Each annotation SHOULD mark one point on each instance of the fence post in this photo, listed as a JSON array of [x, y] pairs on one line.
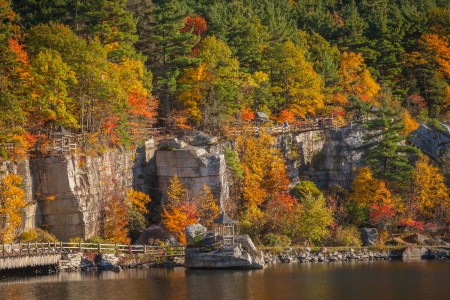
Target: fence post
[[28, 248], [99, 248], [35, 247], [79, 246], [117, 248], [3, 247], [145, 249], [129, 249], [61, 247]]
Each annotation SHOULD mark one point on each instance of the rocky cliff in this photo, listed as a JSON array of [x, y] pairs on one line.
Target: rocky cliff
[[194, 166], [326, 157]]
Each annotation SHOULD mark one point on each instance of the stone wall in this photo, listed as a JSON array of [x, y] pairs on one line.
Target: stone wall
[[194, 166]]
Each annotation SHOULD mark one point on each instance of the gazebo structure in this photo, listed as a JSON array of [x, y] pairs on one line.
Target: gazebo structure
[[63, 141], [225, 229]]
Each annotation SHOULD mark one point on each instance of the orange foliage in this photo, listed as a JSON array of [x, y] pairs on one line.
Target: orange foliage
[[12, 201], [178, 211], [247, 114], [357, 78], [116, 222], [142, 105], [409, 123], [439, 48], [197, 25], [286, 115]]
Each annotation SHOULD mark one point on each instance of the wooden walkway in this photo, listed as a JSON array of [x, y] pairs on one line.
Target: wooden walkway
[[46, 254]]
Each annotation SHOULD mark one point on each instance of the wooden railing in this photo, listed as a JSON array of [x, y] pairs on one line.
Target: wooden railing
[[28, 249]]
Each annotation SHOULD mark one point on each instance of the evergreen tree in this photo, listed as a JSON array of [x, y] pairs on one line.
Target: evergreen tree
[[384, 148], [166, 47]]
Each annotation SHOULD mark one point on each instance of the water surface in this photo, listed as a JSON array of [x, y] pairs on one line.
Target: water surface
[[339, 280]]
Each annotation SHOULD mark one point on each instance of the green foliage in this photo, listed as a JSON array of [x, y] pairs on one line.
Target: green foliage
[[315, 220], [276, 240], [348, 236], [231, 159], [304, 188]]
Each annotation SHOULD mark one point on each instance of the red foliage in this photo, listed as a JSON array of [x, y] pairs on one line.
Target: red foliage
[[419, 225], [141, 105], [247, 114], [381, 213], [286, 115], [282, 203], [416, 102], [195, 24]]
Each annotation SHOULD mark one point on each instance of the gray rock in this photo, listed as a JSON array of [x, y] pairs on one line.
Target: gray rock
[[414, 253], [247, 244], [369, 236], [430, 140], [154, 235], [195, 234]]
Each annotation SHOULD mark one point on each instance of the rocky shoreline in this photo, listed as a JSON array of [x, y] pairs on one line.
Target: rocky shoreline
[[323, 255]]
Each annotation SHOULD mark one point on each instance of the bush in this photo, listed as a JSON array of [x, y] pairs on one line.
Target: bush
[[97, 240], [37, 235], [276, 240], [346, 236]]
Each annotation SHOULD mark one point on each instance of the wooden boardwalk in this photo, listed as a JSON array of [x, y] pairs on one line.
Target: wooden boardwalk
[[21, 255]]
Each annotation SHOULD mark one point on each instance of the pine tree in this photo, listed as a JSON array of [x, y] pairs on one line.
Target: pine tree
[[167, 47], [384, 148]]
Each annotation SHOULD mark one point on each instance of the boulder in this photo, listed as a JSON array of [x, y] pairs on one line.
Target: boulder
[[369, 236], [414, 253], [200, 139], [247, 244], [430, 140], [417, 238], [154, 235], [107, 262], [195, 234]]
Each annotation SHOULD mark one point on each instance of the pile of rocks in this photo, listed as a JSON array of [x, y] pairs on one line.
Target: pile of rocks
[[70, 262], [323, 255]]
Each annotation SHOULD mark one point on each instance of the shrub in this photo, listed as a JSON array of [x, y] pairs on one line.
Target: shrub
[[37, 235], [346, 236], [276, 240]]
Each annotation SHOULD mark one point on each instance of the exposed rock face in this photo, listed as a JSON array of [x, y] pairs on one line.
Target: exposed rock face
[[194, 166], [80, 184], [326, 157], [32, 213], [431, 141], [369, 236]]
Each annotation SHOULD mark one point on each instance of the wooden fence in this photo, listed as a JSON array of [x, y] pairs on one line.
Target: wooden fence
[[29, 249]]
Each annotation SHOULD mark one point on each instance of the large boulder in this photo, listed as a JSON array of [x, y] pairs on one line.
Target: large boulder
[[195, 234], [154, 236], [369, 236], [228, 257], [430, 140], [415, 253]]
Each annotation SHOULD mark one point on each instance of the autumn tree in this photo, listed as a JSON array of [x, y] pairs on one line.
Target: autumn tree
[[207, 207], [12, 202], [431, 195], [370, 198], [315, 220], [115, 227], [295, 84], [281, 216], [178, 210], [136, 205]]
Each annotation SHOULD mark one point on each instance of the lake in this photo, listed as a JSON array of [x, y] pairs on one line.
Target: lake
[[338, 280]]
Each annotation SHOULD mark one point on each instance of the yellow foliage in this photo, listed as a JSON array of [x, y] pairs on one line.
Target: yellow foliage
[[138, 200], [12, 201], [207, 207], [357, 78], [409, 123], [367, 190], [176, 193], [430, 190]]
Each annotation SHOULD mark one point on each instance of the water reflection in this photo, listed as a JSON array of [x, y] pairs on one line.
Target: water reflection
[[340, 280]]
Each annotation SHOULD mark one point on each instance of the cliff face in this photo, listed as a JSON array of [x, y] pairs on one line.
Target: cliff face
[[325, 157], [194, 166], [79, 185]]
